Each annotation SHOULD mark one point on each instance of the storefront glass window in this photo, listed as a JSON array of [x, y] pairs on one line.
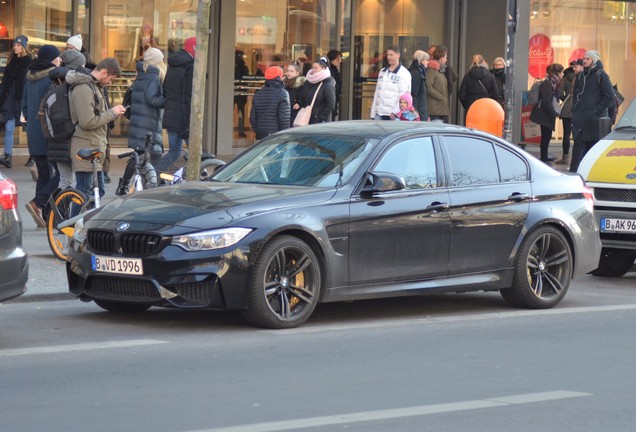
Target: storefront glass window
[[46, 22]]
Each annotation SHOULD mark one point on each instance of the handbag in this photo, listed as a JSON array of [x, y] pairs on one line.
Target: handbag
[[126, 102], [304, 114], [556, 105]]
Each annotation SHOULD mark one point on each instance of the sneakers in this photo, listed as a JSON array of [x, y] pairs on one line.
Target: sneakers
[[6, 161], [36, 213]]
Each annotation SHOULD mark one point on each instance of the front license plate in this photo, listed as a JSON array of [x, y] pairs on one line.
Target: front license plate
[[618, 225], [131, 266]]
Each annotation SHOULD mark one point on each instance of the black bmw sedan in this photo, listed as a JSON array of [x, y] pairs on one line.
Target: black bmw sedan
[[14, 264], [342, 211]]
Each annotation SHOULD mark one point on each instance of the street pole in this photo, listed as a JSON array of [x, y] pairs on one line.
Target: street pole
[[511, 30]]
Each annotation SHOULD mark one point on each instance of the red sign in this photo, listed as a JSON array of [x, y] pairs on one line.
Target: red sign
[[540, 55], [577, 54]]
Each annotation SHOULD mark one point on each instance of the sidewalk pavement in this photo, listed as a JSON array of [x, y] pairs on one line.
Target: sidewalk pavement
[[47, 275]]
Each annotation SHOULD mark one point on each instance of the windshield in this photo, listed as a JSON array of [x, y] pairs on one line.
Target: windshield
[[628, 120], [290, 159]]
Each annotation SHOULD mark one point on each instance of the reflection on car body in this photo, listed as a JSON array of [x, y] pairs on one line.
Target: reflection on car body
[[14, 265]]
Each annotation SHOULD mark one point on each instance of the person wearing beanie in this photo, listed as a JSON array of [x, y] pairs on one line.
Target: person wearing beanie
[[13, 80], [74, 43], [270, 105], [36, 85], [73, 59], [407, 110], [592, 98], [321, 84], [177, 89]]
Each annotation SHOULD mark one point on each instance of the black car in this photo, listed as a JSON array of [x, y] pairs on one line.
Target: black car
[[14, 265], [343, 211]]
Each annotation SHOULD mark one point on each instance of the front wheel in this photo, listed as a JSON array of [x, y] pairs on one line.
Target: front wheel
[[68, 203], [543, 271], [118, 307], [284, 285], [615, 262]]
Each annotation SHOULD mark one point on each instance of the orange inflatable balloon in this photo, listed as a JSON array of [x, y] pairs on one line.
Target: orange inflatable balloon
[[486, 115]]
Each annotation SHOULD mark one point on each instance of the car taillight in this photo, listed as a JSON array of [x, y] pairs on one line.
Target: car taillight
[[8, 195]]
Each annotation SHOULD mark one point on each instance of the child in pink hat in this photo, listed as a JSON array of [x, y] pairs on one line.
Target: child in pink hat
[[407, 110]]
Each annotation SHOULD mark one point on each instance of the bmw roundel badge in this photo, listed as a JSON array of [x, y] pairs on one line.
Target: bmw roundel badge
[[123, 226]]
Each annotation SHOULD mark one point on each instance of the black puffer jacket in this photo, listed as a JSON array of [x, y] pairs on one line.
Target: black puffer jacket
[[13, 86], [177, 89], [418, 88], [592, 96], [478, 83], [146, 106], [325, 100], [270, 109]]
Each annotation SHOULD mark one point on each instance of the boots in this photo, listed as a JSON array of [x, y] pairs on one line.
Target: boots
[[122, 187], [6, 161]]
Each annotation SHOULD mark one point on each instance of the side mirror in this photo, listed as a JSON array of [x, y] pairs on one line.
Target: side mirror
[[382, 182]]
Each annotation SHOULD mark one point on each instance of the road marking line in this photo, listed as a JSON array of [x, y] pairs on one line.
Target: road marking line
[[312, 422], [79, 347]]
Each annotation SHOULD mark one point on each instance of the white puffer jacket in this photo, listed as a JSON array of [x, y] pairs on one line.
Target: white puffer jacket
[[390, 86]]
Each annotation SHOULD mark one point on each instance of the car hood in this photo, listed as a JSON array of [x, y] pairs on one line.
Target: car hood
[[203, 205], [611, 160]]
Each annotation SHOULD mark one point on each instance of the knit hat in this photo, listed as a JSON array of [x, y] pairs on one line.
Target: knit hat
[[408, 98], [273, 72], [594, 55], [22, 40], [75, 41], [189, 45], [48, 53], [73, 59], [153, 56]]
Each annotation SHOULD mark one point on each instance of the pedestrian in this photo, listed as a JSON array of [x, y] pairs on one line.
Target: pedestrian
[[325, 99], [407, 110], [441, 55], [437, 103], [499, 72], [90, 113], [11, 90], [75, 43], [270, 106], [240, 70], [544, 113], [418, 82], [146, 106], [335, 58], [293, 81], [177, 89], [478, 83], [592, 97], [393, 81], [36, 85], [567, 86]]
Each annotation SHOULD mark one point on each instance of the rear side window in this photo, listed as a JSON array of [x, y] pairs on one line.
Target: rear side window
[[511, 167], [472, 161]]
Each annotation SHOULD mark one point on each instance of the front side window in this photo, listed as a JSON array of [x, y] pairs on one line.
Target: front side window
[[413, 160]]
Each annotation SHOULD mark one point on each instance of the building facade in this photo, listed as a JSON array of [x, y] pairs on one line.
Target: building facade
[[275, 32]]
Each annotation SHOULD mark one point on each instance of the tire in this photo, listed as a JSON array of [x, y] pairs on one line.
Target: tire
[[615, 263], [119, 307], [284, 285], [58, 241], [543, 270]]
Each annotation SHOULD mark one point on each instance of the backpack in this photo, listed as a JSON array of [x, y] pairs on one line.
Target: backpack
[[55, 112], [612, 110], [534, 94]]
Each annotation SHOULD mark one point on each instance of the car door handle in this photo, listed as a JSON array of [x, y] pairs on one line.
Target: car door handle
[[438, 206], [519, 197]]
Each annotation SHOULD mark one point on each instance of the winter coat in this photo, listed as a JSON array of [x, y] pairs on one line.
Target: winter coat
[[35, 87], [90, 112], [177, 89], [478, 83], [146, 107], [592, 96], [436, 93], [500, 80], [12, 86], [418, 88], [388, 89], [567, 85], [293, 87], [270, 109], [325, 101], [335, 74], [543, 113]]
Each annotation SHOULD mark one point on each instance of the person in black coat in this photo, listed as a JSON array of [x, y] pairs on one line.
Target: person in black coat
[[335, 58], [544, 113], [240, 70], [478, 83], [499, 72], [293, 83], [326, 96], [11, 93], [270, 106], [418, 82]]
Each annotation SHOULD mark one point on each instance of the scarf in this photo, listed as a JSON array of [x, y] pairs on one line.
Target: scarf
[[434, 64], [316, 77]]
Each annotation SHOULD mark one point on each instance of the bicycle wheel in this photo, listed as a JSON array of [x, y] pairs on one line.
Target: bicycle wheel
[[67, 204], [149, 176]]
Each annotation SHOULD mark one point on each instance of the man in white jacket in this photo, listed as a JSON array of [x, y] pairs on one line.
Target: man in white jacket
[[393, 81]]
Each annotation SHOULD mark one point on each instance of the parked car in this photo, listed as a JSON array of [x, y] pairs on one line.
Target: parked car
[[609, 169], [343, 211], [14, 265]]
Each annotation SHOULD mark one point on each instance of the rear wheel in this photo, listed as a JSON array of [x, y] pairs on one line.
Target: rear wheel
[[543, 271], [68, 203], [615, 262], [118, 307]]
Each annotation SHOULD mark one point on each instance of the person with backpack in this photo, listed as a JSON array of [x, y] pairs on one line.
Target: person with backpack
[[36, 85], [91, 115], [593, 95]]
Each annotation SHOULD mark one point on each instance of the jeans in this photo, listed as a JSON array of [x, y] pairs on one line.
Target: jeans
[[85, 183], [67, 176], [175, 143], [48, 180], [9, 129]]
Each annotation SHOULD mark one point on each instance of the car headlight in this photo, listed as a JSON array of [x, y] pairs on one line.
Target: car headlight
[[208, 240], [79, 233]]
